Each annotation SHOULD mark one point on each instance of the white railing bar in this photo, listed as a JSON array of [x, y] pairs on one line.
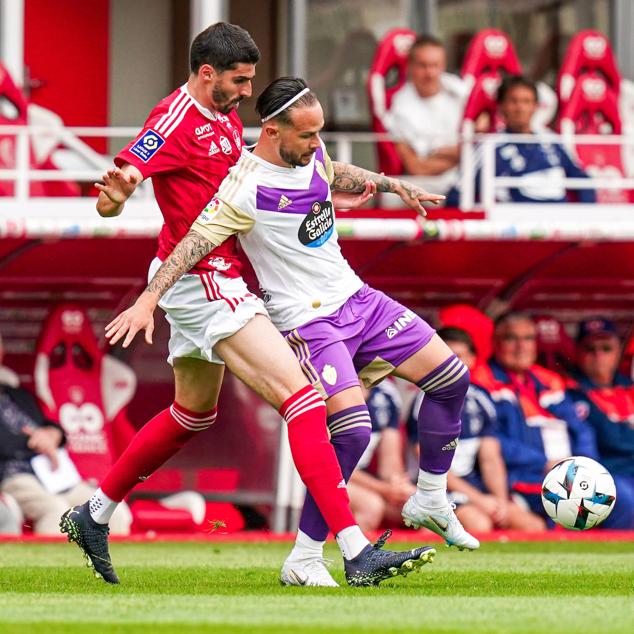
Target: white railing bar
[[606, 182]]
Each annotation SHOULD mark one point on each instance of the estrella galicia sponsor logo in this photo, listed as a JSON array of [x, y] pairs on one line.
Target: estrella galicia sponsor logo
[[318, 224], [148, 145], [402, 322]]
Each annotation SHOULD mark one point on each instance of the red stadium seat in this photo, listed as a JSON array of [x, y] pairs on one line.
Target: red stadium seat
[[589, 52], [11, 94], [87, 392], [388, 73], [593, 109], [490, 51], [555, 347]]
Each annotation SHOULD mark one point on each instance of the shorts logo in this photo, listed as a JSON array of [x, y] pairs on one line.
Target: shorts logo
[[329, 374], [402, 322], [147, 146], [236, 139], [318, 225], [225, 145], [213, 149]]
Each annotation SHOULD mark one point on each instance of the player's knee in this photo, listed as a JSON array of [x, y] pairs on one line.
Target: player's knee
[[452, 386]]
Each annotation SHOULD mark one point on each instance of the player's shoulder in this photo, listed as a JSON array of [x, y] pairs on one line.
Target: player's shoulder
[[240, 184]]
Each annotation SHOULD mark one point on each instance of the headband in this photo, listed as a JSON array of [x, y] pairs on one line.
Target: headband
[[292, 100]]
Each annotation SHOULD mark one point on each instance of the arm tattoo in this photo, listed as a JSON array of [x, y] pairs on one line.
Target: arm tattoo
[[187, 253], [350, 178]]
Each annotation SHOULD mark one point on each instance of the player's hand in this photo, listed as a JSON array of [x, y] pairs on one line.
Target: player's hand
[[349, 200], [400, 489], [117, 185], [501, 514], [45, 441], [414, 196], [129, 322]]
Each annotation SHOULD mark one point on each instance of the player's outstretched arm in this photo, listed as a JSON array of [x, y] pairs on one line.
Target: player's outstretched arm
[[352, 179], [140, 316], [118, 185]]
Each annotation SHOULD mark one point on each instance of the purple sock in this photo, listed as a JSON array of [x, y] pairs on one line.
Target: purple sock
[[439, 416], [350, 429]]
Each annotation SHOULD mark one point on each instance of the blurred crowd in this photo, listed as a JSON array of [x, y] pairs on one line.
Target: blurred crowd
[[519, 419]]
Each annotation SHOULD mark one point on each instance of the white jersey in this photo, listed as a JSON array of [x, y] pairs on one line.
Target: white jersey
[[286, 225]]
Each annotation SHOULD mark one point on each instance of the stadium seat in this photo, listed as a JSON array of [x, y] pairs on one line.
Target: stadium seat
[[490, 57], [17, 111], [87, 392], [593, 109], [555, 347], [388, 73], [589, 52]]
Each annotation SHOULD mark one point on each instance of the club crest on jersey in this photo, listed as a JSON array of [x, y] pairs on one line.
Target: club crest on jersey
[[318, 225], [210, 211], [236, 139], [225, 144], [148, 145]]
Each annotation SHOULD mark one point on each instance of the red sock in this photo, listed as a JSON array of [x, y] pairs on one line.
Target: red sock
[[159, 439], [315, 457]]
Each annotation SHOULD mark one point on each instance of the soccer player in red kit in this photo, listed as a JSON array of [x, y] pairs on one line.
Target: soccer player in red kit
[[189, 142]]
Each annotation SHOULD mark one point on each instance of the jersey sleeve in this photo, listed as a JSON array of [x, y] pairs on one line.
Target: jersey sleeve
[[330, 170], [153, 152], [220, 220]]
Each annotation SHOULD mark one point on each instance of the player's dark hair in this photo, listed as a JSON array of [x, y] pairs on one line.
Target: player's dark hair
[[278, 93], [223, 46], [515, 81], [457, 335], [513, 315], [424, 39]]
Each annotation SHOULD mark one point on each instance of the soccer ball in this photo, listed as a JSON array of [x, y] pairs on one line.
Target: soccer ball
[[578, 493]]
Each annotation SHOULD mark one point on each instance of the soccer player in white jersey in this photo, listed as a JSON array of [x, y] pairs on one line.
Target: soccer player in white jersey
[[189, 142], [278, 201]]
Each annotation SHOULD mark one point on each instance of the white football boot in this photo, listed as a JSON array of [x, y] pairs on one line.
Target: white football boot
[[441, 521], [311, 571]]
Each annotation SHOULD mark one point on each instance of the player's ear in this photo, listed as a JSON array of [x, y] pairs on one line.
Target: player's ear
[[207, 72], [272, 131]]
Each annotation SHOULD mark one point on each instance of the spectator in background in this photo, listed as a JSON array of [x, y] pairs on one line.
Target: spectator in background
[[380, 486], [606, 400], [427, 110], [24, 434], [537, 423], [543, 166], [477, 481]]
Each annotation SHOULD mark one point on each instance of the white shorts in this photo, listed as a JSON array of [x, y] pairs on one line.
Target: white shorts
[[204, 308]]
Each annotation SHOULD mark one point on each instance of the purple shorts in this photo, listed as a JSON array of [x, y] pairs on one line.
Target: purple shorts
[[366, 338]]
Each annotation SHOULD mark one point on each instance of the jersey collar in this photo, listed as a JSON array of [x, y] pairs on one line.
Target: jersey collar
[[210, 114]]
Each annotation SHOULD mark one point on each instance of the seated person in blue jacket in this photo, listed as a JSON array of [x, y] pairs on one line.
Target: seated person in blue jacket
[[477, 481], [537, 421], [605, 399], [542, 166], [379, 486]]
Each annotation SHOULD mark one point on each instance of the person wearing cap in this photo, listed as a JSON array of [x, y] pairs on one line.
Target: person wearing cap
[[605, 399]]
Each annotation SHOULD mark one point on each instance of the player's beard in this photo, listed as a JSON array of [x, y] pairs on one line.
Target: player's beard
[[224, 105], [296, 160]]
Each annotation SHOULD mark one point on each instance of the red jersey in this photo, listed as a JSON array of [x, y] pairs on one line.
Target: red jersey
[[187, 150]]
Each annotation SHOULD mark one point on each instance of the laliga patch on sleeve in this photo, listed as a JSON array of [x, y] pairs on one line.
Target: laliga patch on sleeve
[[148, 145], [210, 211]]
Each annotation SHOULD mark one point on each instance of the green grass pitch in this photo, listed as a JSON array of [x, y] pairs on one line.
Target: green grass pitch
[[511, 588]]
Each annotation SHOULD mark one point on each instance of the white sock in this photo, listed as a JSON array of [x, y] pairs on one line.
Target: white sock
[[431, 489], [351, 541], [101, 507], [306, 548]]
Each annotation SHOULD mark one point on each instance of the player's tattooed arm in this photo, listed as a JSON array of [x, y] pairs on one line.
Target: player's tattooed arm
[[189, 251], [140, 316], [353, 180]]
